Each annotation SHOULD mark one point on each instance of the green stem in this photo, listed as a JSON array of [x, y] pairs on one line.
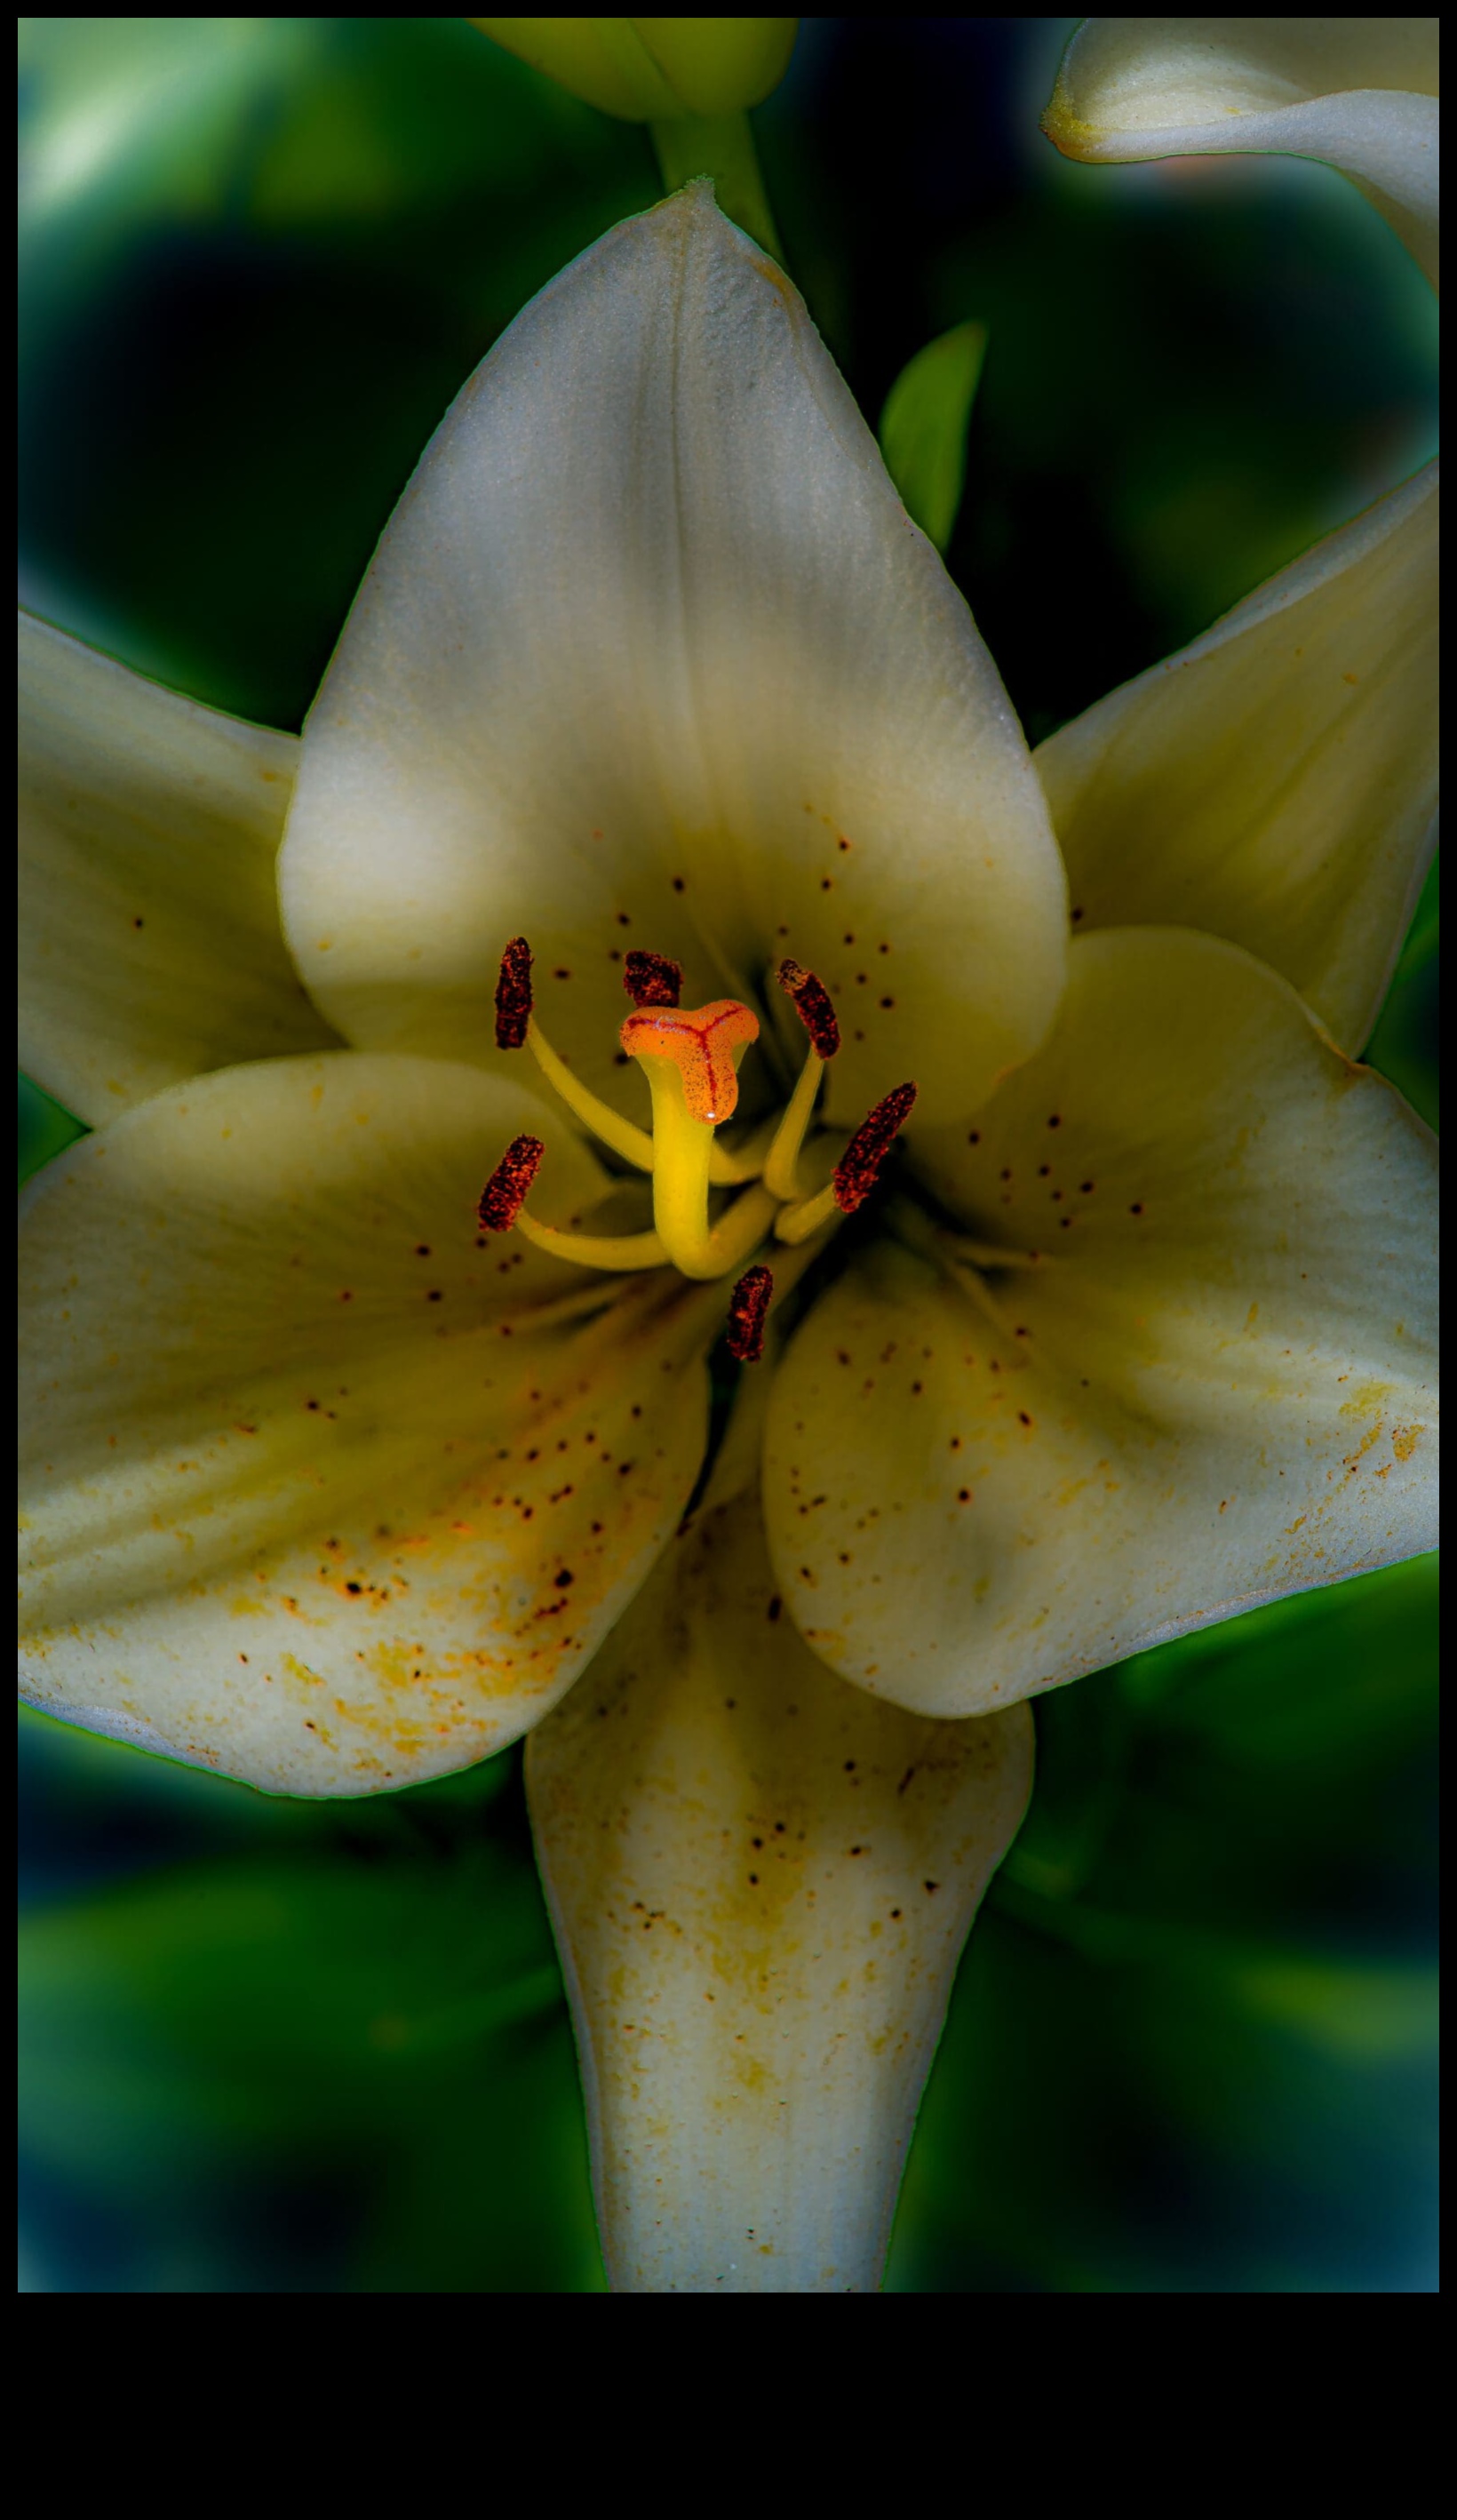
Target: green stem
[[719, 145]]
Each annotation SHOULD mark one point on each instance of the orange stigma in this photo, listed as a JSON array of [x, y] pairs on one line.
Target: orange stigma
[[701, 1042]]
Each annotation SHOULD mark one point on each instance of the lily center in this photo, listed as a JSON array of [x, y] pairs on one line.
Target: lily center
[[691, 1058]]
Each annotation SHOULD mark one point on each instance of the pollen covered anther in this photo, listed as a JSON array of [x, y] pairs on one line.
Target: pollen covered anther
[[651, 980], [747, 1306], [858, 1167], [504, 1194], [513, 994], [812, 1005]]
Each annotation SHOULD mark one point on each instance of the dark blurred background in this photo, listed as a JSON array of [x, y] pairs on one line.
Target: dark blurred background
[[279, 2047]]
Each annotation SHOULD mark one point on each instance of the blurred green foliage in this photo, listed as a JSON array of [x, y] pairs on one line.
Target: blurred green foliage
[[1194, 2042], [301, 2048], [923, 427], [275, 2047]]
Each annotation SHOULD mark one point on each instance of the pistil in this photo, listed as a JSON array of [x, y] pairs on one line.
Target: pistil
[[690, 1061], [690, 1057]]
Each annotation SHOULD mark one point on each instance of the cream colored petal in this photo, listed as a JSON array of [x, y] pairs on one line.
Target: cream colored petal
[[1361, 93], [650, 654], [761, 1883], [150, 946], [1215, 1385], [321, 1489], [1276, 781]]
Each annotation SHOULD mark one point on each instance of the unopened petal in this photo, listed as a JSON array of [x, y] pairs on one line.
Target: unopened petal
[[651, 655], [1208, 1381], [643, 69], [1276, 781], [1361, 93], [761, 1883], [149, 944], [323, 1489]]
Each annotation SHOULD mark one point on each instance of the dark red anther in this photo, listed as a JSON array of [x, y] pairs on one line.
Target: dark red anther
[[855, 1171], [504, 1194], [747, 1306], [513, 994], [812, 1005], [651, 980]]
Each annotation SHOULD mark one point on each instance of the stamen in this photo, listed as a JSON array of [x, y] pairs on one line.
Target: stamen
[[744, 1162], [611, 1251], [855, 1171], [513, 994], [854, 1174], [503, 1205], [504, 1194], [700, 1041], [652, 979], [994, 1255], [941, 1244], [812, 1005], [747, 1306], [633, 1144]]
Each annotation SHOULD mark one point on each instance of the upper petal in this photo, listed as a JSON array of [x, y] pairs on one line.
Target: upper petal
[[322, 1488], [1216, 1384], [149, 944], [1360, 93], [761, 1883], [1276, 781], [650, 652]]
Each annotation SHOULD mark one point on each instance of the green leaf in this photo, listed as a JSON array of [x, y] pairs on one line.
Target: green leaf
[[44, 1128], [923, 427]]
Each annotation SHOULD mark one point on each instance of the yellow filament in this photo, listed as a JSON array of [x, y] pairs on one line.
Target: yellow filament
[[937, 1243], [993, 1255], [634, 1145], [595, 1250], [781, 1170], [796, 1223], [727, 1165], [740, 1230]]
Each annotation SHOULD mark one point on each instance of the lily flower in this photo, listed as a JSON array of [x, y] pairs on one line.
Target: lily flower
[[675, 948], [1360, 93]]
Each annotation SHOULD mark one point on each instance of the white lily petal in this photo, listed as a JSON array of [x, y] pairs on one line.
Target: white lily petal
[[1214, 1384], [1360, 93], [1275, 782], [650, 654], [149, 944], [323, 1489], [761, 1883]]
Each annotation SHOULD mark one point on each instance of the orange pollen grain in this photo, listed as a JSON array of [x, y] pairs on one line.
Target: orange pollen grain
[[701, 1042]]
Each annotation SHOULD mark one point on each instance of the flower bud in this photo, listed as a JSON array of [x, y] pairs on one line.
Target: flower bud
[[654, 70]]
